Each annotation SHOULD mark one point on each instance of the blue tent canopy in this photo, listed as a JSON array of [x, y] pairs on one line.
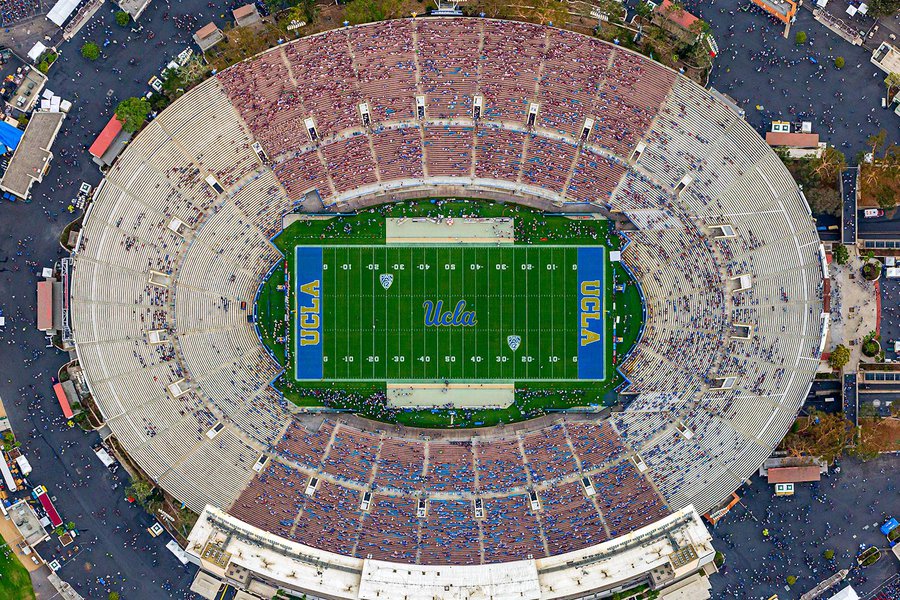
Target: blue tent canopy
[[10, 136]]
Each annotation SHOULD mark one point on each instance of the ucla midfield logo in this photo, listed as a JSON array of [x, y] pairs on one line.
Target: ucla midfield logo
[[436, 316]]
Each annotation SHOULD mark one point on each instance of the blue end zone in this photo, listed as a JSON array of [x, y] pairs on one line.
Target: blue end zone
[[308, 294], [591, 320]]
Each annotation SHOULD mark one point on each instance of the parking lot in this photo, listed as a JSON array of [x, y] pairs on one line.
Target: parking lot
[[840, 513]]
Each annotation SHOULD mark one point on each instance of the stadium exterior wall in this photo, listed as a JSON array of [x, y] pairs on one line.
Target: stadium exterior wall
[[643, 556]]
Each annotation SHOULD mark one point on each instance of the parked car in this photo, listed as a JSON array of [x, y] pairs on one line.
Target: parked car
[[873, 213]]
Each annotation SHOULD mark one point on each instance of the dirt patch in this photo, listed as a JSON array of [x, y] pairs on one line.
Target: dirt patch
[[878, 182], [882, 435]]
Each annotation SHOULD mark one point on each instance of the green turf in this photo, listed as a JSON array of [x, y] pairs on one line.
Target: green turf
[[373, 333], [534, 230], [15, 582]]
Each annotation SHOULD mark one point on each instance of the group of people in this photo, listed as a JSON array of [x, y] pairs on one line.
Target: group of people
[[328, 80], [13, 11], [399, 471]]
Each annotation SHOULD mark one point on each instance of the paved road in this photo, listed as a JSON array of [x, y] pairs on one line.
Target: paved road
[[849, 218], [113, 545], [841, 512]]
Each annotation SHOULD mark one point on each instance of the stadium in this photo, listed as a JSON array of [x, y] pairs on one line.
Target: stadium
[[257, 262]]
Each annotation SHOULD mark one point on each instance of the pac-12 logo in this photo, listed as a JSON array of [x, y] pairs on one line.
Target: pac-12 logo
[[309, 315], [436, 316], [513, 341], [590, 311], [386, 280]]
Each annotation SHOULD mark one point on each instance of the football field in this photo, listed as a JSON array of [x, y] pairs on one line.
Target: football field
[[457, 312]]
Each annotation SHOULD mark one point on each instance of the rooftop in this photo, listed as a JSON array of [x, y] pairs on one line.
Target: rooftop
[[676, 14], [244, 11], [106, 137], [207, 30], [573, 574], [31, 157], [794, 474], [793, 140]]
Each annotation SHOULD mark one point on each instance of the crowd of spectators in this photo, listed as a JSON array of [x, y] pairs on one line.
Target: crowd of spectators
[[328, 77], [13, 11], [450, 475]]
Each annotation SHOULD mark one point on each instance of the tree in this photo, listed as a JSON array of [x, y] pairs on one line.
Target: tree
[[133, 112], [841, 254], [368, 11], [310, 9], [800, 38], [113, 596], [883, 8], [870, 346], [819, 434], [830, 165], [840, 356], [829, 554], [542, 12], [699, 27], [90, 51], [494, 9], [140, 490], [839, 62], [791, 580], [872, 270], [122, 18], [876, 141], [892, 81], [884, 195], [643, 9], [824, 200]]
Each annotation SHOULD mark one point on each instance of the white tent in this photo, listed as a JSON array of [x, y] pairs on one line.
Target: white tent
[[36, 51], [848, 593], [61, 11]]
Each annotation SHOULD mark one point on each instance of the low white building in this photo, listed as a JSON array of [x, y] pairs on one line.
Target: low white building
[[665, 555]]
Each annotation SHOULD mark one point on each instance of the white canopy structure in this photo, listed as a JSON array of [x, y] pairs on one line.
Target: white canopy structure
[[62, 10]]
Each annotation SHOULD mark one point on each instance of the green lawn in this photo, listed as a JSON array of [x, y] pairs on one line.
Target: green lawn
[[15, 583], [448, 352]]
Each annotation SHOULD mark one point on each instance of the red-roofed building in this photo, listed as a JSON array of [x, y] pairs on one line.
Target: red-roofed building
[[676, 20], [797, 144], [794, 474], [63, 401], [45, 305], [110, 143], [208, 36], [783, 10], [246, 15], [106, 137]]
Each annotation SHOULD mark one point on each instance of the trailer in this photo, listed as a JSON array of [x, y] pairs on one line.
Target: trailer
[[40, 494]]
